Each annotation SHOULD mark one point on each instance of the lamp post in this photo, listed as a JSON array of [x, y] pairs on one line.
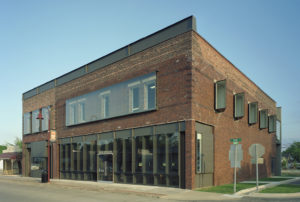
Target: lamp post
[[40, 117]]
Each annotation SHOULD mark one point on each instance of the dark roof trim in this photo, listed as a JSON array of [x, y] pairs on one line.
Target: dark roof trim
[[160, 36]]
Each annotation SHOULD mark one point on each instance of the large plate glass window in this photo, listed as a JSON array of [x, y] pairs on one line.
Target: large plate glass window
[[104, 97], [220, 95], [252, 113], [132, 96], [239, 105]]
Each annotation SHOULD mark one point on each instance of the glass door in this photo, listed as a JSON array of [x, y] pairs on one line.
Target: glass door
[[105, 166]]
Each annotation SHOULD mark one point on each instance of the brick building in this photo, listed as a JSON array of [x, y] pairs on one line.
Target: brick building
[[159, 111]]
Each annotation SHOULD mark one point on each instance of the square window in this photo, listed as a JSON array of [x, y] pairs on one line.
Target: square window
[[272, 124], [252, 115], [220, 95], [239, 105], [263, 119]]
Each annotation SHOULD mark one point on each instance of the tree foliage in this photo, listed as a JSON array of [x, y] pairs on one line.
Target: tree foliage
[[2, 147], [18, 142], [293, 151]]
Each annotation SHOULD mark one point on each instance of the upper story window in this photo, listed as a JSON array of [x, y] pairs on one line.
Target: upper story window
[[278, 130], [239, 105], [263, 118], [252, 115], [272, 124], [34, 125], [76, 111], [72, 115], [149, 93], [81, 112], [132, 96], [220, 95], [104, 99], [35, 122], [45, 121], [27, 123]]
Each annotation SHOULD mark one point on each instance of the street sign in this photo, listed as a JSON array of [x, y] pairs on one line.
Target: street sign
[[239, 155], [256, 149], [235, 157], [235, 140], [259, 161]]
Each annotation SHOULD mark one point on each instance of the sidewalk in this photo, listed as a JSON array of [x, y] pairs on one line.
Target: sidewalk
[[156, 192], [141, 190], [253, 192]]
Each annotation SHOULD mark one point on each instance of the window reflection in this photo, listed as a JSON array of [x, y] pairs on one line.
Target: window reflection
[[135, 95], [154, 161], [35, 122], [27, 123]]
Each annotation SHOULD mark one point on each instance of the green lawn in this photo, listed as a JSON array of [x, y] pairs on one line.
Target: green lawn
[[290, 174], [227, 188], [274, 179], [284, 188]]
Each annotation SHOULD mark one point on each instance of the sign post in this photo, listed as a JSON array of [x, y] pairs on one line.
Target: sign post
[[256, 151], [235, 156]]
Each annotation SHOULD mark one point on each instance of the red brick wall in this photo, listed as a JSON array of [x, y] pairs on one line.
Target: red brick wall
[[210, 66], [186, 67], [171, 60], [41, 100]]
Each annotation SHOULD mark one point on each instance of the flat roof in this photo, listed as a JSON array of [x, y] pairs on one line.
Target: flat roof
[[185, 25]]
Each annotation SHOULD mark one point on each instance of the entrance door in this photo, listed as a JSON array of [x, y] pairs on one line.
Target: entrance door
[[105, 167]]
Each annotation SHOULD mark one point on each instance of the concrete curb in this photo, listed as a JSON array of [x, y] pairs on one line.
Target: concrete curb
[[261, 187]]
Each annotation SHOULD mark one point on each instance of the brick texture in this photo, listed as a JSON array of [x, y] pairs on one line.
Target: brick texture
[[187, 67]]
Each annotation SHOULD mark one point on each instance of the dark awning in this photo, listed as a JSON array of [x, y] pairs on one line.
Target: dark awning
[[11, 155]]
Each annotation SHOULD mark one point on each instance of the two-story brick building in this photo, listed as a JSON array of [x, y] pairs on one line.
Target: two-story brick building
[[159, 111]]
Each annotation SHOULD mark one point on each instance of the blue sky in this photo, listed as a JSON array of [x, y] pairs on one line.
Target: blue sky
[[41, 40]]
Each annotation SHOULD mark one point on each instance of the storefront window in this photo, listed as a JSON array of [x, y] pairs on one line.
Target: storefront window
[[38, 165]]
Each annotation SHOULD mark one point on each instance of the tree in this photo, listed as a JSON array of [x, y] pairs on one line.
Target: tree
[[2, 147], [293, 151], [18, 142]]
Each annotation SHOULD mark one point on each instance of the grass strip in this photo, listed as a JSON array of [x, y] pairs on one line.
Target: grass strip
[[290, 174], [274, 179], [283, 188], [227, 188]]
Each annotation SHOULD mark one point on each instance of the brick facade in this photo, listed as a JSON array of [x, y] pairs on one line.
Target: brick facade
[[187, 68]]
